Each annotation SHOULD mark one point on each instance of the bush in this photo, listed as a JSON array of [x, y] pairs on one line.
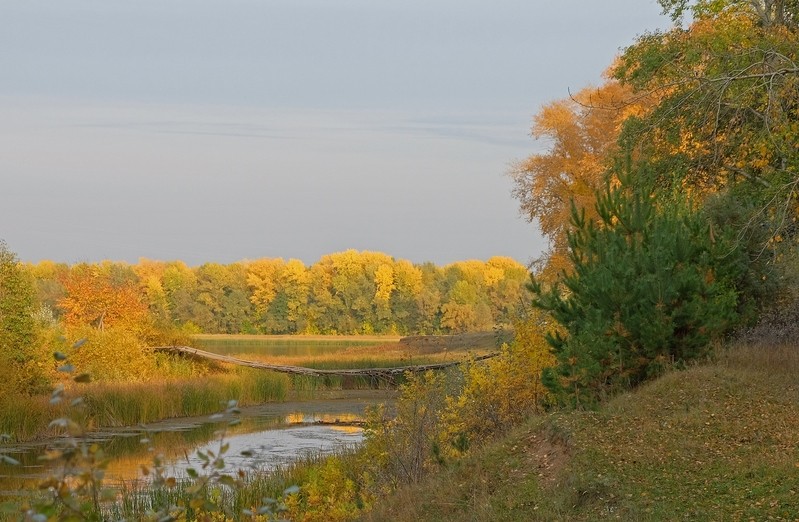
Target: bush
[[403, 448], [502, 391]]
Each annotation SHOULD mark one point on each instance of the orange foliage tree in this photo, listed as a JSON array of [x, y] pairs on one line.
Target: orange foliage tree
[[581, 134], [92, 298]]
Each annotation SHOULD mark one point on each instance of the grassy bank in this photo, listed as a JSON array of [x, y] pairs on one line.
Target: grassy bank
[[337, 352], [129, 404], [716, 442]]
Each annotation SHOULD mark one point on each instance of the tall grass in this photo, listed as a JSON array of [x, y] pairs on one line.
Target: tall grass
[[135, 499], [24, 418], [131, 404], [115, 404]]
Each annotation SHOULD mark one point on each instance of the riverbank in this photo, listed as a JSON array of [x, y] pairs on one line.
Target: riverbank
[[114, 404], [203, 387]]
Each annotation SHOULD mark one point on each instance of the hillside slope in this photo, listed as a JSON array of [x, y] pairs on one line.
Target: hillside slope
[[719, 441]]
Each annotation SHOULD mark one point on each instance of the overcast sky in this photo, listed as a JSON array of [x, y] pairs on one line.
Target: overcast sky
[[225, 130]]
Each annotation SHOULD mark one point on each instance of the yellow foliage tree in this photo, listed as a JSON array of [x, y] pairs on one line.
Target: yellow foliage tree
[[501, 391], [263, 280]]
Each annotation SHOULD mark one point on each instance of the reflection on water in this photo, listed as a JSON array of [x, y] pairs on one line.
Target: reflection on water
[[273, 448], [275, 434]]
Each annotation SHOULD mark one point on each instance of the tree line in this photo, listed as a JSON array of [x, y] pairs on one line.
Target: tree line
[[348, 292]]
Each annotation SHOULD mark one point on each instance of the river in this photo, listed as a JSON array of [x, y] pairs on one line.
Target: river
[[270, 435]]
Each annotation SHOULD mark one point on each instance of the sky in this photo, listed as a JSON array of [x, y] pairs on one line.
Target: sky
[[216, 131]]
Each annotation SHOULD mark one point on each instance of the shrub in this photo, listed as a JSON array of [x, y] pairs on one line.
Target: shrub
[[502, 391], [403, 448]]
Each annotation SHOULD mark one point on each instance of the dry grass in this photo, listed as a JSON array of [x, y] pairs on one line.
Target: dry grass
[[129, 404]]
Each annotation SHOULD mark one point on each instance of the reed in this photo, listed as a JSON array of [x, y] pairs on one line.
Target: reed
[[24, 418], [136, 498], [129, 404]]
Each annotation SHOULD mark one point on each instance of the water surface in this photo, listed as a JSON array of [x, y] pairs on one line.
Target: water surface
[[274, 434]]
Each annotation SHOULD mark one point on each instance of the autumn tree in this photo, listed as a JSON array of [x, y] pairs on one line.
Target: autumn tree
[[506, 283], [221, 301], [151, 284], [405, 299], [728, 111], [179, 282], [347, 292], [581, 137], [101, 297], [355, 287], [279, 292], [48, 277], [17, 327], [769, 13]]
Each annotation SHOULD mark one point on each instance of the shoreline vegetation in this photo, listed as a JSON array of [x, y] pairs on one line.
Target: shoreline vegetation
[[118, 404]]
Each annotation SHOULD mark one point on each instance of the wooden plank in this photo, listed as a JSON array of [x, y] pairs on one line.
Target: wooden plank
[[300, 370]]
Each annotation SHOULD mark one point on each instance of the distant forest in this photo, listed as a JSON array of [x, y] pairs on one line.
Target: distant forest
[[348, 292]]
